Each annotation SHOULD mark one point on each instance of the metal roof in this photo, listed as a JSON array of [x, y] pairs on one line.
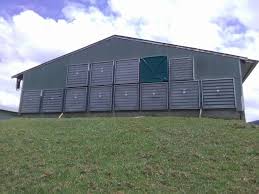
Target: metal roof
[[247, 61]]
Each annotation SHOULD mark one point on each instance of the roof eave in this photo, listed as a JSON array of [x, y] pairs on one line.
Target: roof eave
[[253, 65], [18, 75]]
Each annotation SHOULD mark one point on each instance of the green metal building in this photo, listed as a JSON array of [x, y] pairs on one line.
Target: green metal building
[[7, 114], [128, 74]]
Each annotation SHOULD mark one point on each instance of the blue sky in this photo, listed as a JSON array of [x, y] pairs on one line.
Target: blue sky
[[34, 31], [47, 8], [44, 8]]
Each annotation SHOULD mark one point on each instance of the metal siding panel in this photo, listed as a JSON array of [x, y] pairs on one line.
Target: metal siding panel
[[181, 68], [30, 101], [184, 95], [154, 96], [101, 73], [75, 100], [100, 98], [218, 93], [77, 75], [126, 71], [7, 115], [49, 76], [216, 67], [52, 100], [126, 97]]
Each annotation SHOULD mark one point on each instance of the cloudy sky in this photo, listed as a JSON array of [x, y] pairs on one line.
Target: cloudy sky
[[34, 31]]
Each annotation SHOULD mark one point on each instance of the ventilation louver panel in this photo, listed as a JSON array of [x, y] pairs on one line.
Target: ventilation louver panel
[[126, 97], [77, 75], [101, 73], [181, 68], [75, 100], [154, 96], [100, 98], [184, 95], [30, 101], [218, 93], [52, 101], [126, 71]]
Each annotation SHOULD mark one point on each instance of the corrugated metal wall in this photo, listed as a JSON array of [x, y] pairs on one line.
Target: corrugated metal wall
[[184, 91], [181, 68], [77, 75], [100, 98], [101, 73], [126, 94], [126, 71], [75, 100], [184, 95], [30, 101], [106, 94], [218, 93], [52, 101], [154, 96], [126, 97]]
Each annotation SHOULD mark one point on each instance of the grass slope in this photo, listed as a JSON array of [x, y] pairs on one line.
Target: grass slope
[[128, 155]]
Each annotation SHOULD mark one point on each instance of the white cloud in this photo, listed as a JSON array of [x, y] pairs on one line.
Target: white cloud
[[29, 39], [9, 99], [176, 21]]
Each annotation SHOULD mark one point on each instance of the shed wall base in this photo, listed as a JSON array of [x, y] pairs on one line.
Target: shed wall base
[[223, 114]]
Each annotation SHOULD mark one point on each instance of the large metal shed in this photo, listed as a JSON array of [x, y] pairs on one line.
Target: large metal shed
[[119, 74]]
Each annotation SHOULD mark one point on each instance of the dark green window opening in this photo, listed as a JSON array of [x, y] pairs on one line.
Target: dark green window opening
[[154, 69]]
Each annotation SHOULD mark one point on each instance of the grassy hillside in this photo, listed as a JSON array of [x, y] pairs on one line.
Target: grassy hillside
[[121, 155]]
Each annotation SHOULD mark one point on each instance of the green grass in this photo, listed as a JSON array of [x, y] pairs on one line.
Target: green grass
[[128, 155]]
